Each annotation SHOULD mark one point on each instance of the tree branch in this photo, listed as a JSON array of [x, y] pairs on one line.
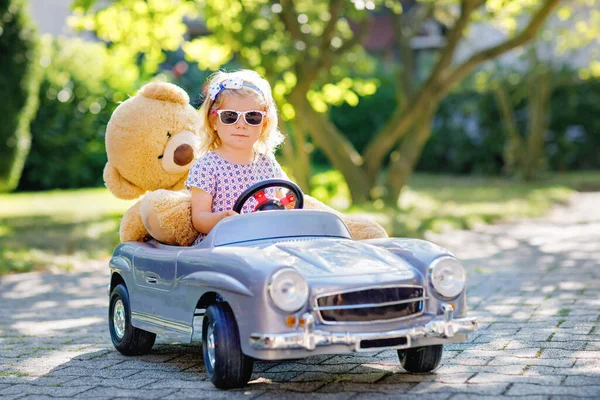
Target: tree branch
[[328, 58], [454, 37], [358, 36], [406, 26], [526, 35], [289, 17], [334, 10]]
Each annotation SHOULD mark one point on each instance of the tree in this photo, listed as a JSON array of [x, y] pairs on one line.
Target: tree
[[541, 72], [19, 85], [307, 49]]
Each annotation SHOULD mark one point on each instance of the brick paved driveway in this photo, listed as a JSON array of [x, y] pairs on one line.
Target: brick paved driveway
[[534, 286]]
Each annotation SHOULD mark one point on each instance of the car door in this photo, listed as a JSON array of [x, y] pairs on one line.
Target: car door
[[155, 270]]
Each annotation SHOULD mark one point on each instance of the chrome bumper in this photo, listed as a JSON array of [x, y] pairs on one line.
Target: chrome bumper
[[444, 327]]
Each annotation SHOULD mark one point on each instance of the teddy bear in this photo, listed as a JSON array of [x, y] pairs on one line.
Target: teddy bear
[[152, 140]]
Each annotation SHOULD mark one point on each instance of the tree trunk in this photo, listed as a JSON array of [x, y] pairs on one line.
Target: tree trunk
[[539, 110], [335, 145], [405, 158], [296, 155], [513, 146]]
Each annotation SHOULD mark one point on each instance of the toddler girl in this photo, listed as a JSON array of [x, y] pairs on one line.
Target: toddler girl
[[239, 121]]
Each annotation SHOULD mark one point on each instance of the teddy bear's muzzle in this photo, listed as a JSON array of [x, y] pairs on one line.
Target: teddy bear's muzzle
[[180, 152], [183, 154]]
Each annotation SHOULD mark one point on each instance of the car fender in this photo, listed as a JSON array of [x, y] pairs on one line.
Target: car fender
[[218, 281], [119, 263], [417, 252]]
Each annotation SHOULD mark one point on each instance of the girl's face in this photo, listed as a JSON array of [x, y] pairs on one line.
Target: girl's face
[[240, 135]]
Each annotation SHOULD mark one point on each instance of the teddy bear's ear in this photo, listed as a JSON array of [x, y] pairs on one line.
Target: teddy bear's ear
[[165, 91], [119, 186]]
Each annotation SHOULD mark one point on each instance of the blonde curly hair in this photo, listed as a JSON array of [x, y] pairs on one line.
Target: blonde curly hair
[[270, 137]]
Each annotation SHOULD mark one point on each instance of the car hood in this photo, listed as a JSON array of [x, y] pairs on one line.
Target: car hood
[[321, 258]]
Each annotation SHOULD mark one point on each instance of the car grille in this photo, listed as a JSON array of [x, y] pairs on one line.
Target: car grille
[[373, 304]]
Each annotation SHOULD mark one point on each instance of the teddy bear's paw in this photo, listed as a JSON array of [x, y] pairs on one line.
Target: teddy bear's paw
[[167, 216], [132, 228], [363, 228]]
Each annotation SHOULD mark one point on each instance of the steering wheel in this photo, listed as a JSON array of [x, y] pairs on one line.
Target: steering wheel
[[265, 203]]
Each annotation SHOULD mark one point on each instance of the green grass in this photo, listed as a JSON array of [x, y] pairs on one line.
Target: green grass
[[65, 229], [59, 229], [437, 203]]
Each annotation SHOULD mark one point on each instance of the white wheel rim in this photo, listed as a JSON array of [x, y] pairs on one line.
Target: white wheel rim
[[210, 342], [119, 319]]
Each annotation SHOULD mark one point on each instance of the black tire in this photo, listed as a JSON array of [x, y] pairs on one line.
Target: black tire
[[131, 341], [230, 367], [421, 359]]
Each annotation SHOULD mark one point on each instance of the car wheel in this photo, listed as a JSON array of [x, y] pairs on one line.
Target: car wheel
[[126, 338], [421, 359], [226, 365]]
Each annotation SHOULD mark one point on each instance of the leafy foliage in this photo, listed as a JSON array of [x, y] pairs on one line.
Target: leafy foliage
[[82, 85], [19, 83]]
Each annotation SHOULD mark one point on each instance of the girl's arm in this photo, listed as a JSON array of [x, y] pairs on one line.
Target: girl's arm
[[203, 218]]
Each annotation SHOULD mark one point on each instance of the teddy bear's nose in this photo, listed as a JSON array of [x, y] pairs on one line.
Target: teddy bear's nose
[[183, 155]]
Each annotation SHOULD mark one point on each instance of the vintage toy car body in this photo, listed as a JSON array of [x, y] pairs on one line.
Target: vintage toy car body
[[278, 285]]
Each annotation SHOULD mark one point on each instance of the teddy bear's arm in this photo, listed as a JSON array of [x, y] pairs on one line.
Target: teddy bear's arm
[[167, 216], [119, 186], [132, 227], [360, 227]]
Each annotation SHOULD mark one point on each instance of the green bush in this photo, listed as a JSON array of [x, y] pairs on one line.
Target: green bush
[[466, 137], [82, 85], [19, 83], [573, 142]]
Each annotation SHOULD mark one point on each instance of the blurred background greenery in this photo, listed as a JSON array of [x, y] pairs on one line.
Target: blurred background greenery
[[423, 115]]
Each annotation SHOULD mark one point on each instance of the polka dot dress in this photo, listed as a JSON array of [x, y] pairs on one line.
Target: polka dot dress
[[225, 181]]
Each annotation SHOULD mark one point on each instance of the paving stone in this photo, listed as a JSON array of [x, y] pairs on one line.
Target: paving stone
[[109, 393], [531, 361], [484, 388], [102, 373], [40, 381], [331, 377], [141, 365], [518, 353], [580, 380], [473, 360], [519, 389], [558, 353], [522, 344], [127, 383], [298, 387], [294, 367], [462, 396], [66, 391], [181, 384], [473, 369], [282, 376], [221, 395], [277, 395], [164, 375], [342, 386], [533, 379], [404, 396], [41, 397], [434, 377]]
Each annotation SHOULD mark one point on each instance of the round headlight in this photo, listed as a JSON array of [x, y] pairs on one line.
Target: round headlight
[[447, 277], [288, 290]]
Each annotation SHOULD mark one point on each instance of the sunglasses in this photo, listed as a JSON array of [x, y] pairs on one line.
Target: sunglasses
[[230, 117]]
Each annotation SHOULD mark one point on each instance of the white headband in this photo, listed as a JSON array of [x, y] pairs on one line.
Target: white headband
[[232, 83]]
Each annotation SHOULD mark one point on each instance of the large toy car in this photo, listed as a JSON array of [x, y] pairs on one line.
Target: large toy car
[[275, 285]]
